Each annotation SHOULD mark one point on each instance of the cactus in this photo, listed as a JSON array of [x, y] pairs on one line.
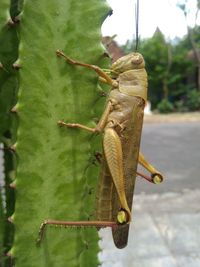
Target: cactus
[[55, 175], [8, 77], [2, 227], [8, 90]]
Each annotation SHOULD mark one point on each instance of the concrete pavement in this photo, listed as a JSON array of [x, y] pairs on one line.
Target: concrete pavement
[[165, 233]]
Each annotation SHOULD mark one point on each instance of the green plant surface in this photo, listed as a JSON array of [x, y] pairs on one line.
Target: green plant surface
[[8, 91], [4, 7], [55, 175], [2, 226], [15, 8], [8, 77]]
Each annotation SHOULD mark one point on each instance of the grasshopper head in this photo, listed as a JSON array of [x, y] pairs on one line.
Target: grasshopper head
[[128, 62]]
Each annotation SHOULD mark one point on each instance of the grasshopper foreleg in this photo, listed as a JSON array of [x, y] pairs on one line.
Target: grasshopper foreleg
[[100, 126], [105, 77], [77, 125]]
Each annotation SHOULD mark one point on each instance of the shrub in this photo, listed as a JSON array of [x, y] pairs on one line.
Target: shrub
[[165, 106], [193, 100], [180, 106]]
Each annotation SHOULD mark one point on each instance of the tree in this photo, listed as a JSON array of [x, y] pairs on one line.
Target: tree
[[191, 34], [158, 57]]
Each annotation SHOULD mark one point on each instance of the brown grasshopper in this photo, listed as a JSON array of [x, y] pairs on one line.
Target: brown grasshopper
[[121, 125]]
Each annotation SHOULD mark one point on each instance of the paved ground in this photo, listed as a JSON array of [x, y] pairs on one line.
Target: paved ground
[[174, 148], [166, 225]]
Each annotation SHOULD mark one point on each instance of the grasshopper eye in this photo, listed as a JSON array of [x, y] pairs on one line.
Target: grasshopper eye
[[136, 60]]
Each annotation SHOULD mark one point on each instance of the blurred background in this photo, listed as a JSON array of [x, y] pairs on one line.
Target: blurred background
[[166, 218]]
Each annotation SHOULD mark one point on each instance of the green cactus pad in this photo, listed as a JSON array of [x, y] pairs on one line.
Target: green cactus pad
[[55, 175]]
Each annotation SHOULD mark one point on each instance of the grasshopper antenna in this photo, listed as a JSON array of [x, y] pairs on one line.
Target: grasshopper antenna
[[136, 24]]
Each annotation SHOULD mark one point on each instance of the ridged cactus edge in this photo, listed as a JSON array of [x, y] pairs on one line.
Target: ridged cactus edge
[[8, 122]]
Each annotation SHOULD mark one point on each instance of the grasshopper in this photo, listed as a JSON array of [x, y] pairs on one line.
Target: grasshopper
[[121, 125]]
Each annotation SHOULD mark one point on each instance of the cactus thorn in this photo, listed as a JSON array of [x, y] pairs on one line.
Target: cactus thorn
[[12, 185], [16, 19], [10, 219], [1, 66], [10, 22], [14, 109], [16, 66], [9, 254], [105, 54], [13, 21], [13, 148]]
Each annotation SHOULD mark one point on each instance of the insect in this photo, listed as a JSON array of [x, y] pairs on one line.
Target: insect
[[121, 125]]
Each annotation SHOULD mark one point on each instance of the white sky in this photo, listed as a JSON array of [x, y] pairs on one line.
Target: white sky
[[153, 13]]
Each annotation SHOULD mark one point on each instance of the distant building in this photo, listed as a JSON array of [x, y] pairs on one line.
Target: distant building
[[112, 47]]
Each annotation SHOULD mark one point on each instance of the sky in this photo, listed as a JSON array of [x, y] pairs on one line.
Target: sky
[[153, 13]]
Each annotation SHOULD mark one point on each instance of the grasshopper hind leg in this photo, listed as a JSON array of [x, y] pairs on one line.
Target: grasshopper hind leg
[[121, 232], [120, 209], [114, 158], [72, 224]]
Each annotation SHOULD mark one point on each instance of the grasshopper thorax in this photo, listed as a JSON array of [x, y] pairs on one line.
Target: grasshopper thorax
[[128, 62]]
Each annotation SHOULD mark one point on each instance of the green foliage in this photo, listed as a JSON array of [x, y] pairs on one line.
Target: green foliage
[[55, 176], [190, 101], [171, 68], [179, 106], [193, 100], [165, 106], [181, 69], [155, 51]]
